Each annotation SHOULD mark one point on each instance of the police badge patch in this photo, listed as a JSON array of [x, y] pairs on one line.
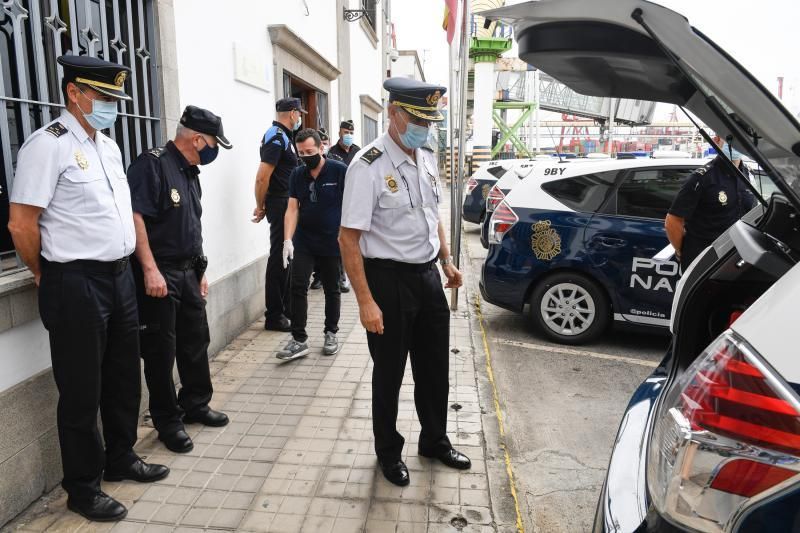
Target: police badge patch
[[391, 182], [545, 241], [723, 198], [175, 196], [81, 160]]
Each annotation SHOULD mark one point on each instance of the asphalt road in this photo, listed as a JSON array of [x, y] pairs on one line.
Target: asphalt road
[[561, 407]]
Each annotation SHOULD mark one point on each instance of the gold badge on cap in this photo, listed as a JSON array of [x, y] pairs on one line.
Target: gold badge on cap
[[545, 241], [391, 183], [723, 198], [433, 99], [175, 197], [121, 77], [81, 160]]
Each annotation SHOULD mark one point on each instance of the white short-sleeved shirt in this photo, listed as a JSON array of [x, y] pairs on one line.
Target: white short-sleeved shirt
[[82, 187], [393, 199]]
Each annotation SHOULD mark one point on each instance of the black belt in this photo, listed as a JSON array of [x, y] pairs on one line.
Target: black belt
[[399, 265], [178, 264], [86, 265]]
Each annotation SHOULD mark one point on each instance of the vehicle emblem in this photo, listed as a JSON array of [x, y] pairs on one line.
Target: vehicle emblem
[[723, 198], [485, 191], [391, 183], [545, 241], [81, 160], [175, 196]]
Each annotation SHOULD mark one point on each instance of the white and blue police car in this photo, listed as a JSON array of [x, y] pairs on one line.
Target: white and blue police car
[[710, 441], [478, 186], [576, 241]]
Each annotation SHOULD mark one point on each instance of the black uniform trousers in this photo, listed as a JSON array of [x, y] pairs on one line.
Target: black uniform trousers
[[174, 329], [89, 310], [277, 277], [328, 270], [416, 321], [690, 249]]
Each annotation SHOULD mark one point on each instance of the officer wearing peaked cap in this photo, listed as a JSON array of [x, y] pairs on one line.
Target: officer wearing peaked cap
[[169, 268], [390, 239], [72, 224]]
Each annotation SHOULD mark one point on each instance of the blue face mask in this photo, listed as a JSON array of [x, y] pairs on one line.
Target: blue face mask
[[298, 123], [347, 139], [415, 136], [208, 154], [103, 114], [733, 153]]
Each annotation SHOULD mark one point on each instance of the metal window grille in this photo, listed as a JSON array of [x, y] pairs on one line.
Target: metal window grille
[[371, 12], [33, 33]]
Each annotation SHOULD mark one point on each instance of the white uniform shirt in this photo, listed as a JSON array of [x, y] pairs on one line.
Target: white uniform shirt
[[82, 187], [394, 202]]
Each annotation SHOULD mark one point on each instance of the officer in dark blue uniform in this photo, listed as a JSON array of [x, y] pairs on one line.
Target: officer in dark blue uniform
[[170, 275], [710, 202], [345, 148], [278, 160], [72, 224]]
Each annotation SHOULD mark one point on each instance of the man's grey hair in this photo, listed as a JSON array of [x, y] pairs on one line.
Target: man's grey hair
[[182, 132]]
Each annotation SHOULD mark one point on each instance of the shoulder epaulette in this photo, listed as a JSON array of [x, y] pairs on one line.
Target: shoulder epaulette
[[156, 152], [56, 129], [702, 170], [371, 155]]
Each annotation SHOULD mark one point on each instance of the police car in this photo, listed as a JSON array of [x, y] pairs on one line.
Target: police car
[[576, 242], [710, 442], [478, 185]]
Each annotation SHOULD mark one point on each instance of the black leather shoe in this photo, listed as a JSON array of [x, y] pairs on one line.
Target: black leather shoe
[[395, 472], [210, 417], [178, 441], [316, 284], [282, 324], [451, 458], [138, 471], [99, 508]]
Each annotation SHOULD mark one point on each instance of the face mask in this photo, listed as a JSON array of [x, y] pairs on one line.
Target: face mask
[[208, 154], [733, 153], [415, 136], [347, 139], [103, 114], [298, 124], [311, 161]]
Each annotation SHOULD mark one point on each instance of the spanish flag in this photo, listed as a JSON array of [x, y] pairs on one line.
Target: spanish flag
[[450, 15]]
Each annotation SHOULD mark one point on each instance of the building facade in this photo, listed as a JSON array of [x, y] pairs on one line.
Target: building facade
[[235, 60]]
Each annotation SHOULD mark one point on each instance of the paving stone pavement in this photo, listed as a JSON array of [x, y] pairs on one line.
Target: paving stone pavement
[[298, 453]]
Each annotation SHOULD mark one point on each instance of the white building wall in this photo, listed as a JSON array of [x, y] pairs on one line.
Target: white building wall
[[205, 50], [366, 70]]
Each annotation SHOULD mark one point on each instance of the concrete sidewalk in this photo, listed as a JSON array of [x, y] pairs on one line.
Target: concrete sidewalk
[[298, 453]]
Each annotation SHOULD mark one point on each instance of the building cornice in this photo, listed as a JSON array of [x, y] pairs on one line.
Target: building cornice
[[285, 38]]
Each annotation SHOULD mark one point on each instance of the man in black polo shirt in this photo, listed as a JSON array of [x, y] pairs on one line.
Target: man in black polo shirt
[[169, 270], [709, 202], [345, 149], [311, 231], [278, 160]]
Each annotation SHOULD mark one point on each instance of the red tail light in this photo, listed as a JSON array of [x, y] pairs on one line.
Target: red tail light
[[495, 197], [503, 219], [471, 184]]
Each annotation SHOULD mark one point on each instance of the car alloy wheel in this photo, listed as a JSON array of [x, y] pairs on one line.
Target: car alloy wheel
[[570, 308]]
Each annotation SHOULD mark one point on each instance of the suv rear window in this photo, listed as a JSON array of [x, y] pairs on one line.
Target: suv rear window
[[648, 192], [585, 193]]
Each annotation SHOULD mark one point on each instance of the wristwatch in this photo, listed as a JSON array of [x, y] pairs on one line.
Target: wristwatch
[[446, 261]]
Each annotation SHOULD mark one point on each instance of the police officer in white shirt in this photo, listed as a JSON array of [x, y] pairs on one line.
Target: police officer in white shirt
[[72, 223], [390, 239]]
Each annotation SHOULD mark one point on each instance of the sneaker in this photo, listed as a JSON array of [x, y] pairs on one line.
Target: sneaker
[[331, 345], [316, 284], [344, 285], [293, 350]]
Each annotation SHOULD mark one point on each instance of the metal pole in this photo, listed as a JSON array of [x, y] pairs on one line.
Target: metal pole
[[451, 118], [462, 125], [536, 93]]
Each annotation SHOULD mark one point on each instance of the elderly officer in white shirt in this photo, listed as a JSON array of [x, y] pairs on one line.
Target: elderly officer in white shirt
[[390, 239], [72, 223]]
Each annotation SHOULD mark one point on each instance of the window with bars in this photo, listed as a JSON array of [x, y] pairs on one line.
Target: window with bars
[[33, 33], [370, 6]]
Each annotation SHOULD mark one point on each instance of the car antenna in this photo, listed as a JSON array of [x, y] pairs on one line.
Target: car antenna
[[558, 150]]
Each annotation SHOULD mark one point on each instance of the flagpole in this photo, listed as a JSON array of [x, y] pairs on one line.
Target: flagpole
[[462, 124], [451, 118]]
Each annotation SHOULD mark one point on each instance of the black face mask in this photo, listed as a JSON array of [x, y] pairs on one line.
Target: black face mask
[[311, 161]]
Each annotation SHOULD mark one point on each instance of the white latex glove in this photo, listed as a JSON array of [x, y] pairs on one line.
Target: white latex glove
[[288, 253]]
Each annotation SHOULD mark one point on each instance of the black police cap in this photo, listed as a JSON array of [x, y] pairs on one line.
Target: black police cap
[[418, 98], [204, 121], [347, 125], [289, 104], [323, 135], [102, 76]]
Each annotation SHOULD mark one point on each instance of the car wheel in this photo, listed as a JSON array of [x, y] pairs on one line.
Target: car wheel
[[570, 308]]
